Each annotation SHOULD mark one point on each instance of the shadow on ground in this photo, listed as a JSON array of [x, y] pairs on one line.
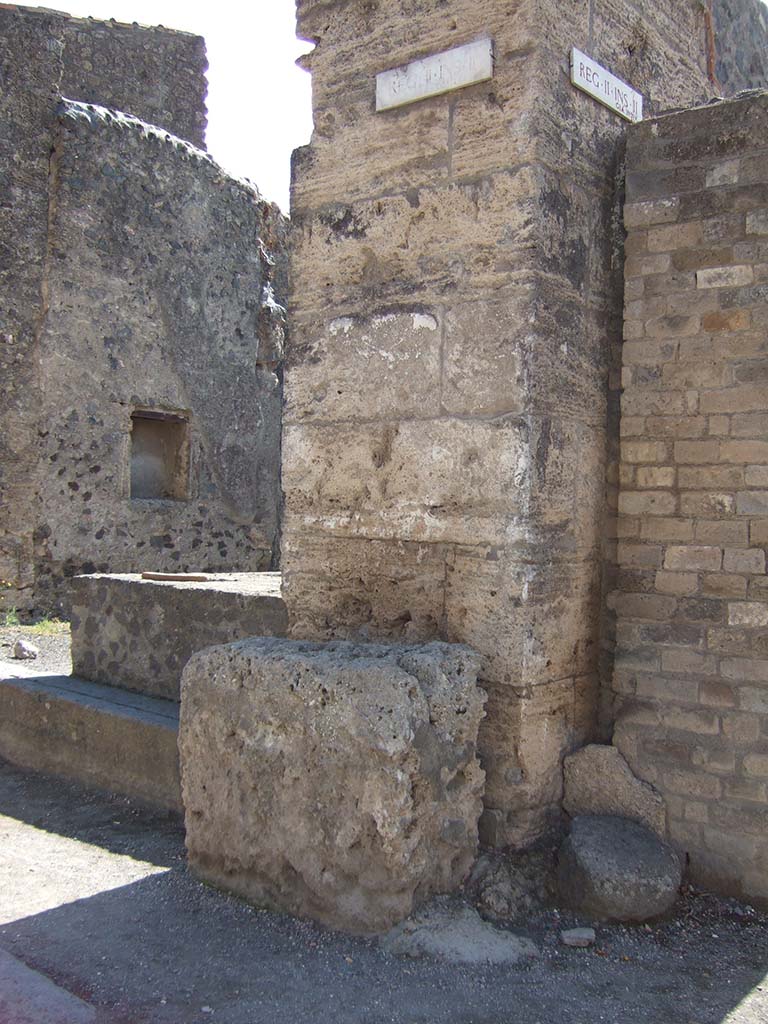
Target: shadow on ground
[[164, 949]]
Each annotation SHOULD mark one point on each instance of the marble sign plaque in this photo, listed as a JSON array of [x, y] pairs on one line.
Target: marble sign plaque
[[434, 75], [606, 88]]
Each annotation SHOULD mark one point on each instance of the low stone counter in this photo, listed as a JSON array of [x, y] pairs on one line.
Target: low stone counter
[[139, 634], [334, 781]]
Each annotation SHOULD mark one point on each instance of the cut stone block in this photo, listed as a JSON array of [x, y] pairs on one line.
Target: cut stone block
[[334, 781], [617, 870], [599, 781], [139, 634]]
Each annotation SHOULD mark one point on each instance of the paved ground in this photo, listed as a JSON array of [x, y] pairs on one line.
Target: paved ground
[[95, 896]]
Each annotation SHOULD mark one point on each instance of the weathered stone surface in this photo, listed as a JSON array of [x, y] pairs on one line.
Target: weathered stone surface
[[162, 81], [136, 277], [617, 870], [401, 353], [690, 700], [153, 306], [139, 634], [509, 886], [155, 73], [458, 935], [741, 38], [480, 486], [597, 780], [339, 781]]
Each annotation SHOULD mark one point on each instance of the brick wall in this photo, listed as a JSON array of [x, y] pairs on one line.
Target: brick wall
[[691, 677]]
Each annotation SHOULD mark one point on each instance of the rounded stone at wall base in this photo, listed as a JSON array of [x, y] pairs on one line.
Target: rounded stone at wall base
[[616, 870]]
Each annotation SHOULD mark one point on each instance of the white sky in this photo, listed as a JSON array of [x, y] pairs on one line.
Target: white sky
[[258, 100]]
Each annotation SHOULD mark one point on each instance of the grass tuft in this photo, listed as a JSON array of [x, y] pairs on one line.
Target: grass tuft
[[46, 626]]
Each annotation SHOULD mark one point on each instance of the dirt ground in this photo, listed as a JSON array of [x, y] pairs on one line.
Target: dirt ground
[[54, 648], [95, 894]]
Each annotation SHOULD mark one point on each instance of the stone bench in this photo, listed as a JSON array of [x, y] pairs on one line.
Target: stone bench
[[98, 735], [334, 781], [139, 634]]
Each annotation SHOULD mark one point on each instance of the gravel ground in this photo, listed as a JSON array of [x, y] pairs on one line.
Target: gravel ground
[[54, 649], [95, 894]]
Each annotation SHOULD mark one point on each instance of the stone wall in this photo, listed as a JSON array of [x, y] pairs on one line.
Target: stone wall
[[691, 675], [456, 286], [139, 290], [741, 44], [28, 69], [156, 74], [159, 285]]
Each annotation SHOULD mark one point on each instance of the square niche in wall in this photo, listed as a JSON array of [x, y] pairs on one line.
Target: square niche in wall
[[159, 455]]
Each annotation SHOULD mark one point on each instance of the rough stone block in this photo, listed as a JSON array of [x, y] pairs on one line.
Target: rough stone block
[[484, 357], [723, 585], [420, 480], [358, 588], [617, 870], [652, 211], [599, 781], [339, 781], [746, 560], [693, 558]]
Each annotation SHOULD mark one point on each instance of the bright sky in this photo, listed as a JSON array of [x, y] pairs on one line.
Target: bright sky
[[258, 100]]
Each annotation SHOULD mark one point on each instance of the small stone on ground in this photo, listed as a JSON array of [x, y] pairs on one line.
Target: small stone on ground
[[580, 938], [54, 650], [23, 650]]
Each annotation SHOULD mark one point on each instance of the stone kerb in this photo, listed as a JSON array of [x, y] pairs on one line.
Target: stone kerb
[[333, 781]]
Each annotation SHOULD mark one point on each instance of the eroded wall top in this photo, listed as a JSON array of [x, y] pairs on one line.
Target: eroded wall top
[[156, 74]]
